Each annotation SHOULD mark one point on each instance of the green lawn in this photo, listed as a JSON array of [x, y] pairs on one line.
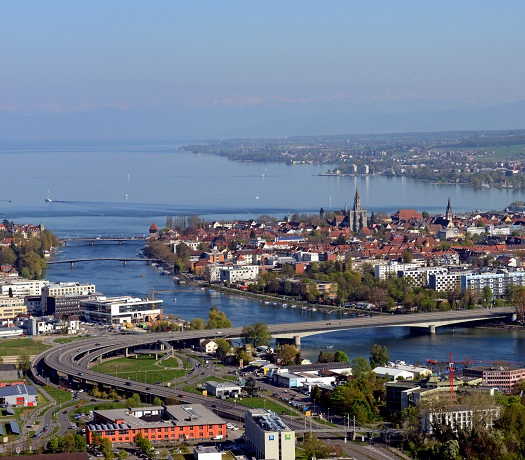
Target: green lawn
[[69, 339], [58, 395], [13, 347], [170, 362], [140, 369], [260, 403]]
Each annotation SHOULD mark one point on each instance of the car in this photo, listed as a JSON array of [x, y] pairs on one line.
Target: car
[[80, 373], [214, 406], [148, 388], [230, 425], [128, 384], [181, 396], [64, 412], [93, 400], [97, 344], [158, 383], [235, 428]]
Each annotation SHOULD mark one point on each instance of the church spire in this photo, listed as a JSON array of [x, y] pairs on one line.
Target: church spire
[[357, 201], [448, 212]]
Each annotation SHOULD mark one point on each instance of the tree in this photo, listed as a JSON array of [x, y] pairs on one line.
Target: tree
[[251, 387], [223, 348], [256, 334], [315, 394], [134, 401], [360, 368], [378, 356], [341, 357], [314, 447], [326, 357], [23, 361], [217, 319], [80, 443], [487, 296], [197, 324], [517, 297], [55, 444], [157, 401], [407, 257], [68, 442], [122, 454], [286, 354], [106, 449], [143, 444]]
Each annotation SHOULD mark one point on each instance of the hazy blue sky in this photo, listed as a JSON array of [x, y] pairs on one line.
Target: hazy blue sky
[[287, 57]]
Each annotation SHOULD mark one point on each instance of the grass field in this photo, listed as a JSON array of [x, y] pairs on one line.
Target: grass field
[[58, 394], [263, 403], [13, 347], [140, 369], [69, 339]]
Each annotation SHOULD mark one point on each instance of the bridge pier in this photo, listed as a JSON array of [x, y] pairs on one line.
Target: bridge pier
[[124, 263], [432, 329], [92, 243], [295, 340], [71, 264]]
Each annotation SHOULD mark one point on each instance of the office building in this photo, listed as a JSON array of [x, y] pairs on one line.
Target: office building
[[268, 436]]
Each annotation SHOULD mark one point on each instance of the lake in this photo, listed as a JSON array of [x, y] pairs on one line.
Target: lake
[[88, 186]]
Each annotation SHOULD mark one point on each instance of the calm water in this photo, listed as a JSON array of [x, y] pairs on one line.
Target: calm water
[[89, 187]]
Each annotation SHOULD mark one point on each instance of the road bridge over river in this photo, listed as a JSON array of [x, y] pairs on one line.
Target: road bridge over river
[[71, 364], [124, 260]]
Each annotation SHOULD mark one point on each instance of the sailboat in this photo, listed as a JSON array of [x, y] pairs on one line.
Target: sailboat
[[48, 199]]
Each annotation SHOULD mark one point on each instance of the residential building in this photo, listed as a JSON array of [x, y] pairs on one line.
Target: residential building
[[268, 436], [443, 282], [11, 306], [121, 310], [238, 273], [156, 423], [209, 346], [459, 418], [21, 287]]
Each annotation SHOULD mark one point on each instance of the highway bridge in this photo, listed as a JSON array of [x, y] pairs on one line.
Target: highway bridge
[[71, 364], [102, 239], [124, 260]]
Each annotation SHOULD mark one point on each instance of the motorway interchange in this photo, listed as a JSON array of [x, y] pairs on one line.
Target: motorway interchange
[[70, 365]]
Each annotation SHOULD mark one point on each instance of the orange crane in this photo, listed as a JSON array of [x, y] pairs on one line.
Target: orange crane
[[467, 362]]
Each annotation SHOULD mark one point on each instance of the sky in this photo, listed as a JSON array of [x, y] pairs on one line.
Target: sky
[[211, 68]]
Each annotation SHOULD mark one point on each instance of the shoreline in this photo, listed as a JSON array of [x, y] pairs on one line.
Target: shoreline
[[503, 327]]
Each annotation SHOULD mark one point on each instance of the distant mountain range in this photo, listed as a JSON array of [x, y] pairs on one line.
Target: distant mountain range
[[173, 123]]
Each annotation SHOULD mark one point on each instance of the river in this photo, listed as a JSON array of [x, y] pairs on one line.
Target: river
[[121, 188]]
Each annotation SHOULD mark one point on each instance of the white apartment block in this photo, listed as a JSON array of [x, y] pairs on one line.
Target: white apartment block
[[499, 283], [419, 276], [22, 287], [444, 282], [382, 270], [459, 418], [237, 273]]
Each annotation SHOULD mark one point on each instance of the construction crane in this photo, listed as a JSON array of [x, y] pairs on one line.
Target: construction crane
[[465, 363]]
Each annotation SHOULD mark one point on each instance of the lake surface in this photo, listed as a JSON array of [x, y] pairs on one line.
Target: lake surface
[[88, 186]]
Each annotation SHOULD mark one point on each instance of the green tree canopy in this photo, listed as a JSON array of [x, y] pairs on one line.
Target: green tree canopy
[[217, 319], [378, 356], [256, 334]]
